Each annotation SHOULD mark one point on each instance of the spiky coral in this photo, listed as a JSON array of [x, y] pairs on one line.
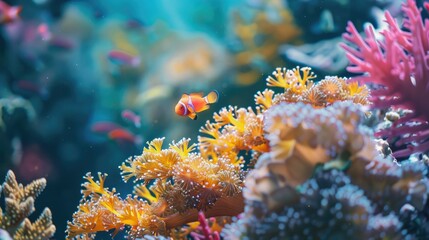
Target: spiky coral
[[398, 64], [19, 203], [323, 171]]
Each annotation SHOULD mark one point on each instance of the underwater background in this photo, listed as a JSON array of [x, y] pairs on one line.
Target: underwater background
[[319, 128]]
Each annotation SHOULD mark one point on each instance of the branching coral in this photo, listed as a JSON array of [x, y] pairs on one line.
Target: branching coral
[[19, 204], [324, 170], [206, 230], [397, 64]]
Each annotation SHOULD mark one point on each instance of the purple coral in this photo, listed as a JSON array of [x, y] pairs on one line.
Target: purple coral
[[398, 64]]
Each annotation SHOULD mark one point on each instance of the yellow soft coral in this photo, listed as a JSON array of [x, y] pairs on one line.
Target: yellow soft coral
[[299, 87], [291, 79], [234, 130], [184, 181]]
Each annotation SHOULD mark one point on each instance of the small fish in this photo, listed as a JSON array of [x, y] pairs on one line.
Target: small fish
[[121, 134], [123, 58], [134, 23], [31, 87], [60, 43], [190, 105], [104, 127], [8, 13], [131, 116]]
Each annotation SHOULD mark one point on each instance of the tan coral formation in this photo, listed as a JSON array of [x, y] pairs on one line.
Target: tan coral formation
[[19, 204], [320, 159]]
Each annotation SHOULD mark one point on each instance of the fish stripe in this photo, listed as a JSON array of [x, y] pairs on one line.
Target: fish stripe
[[186, 109], [191, 104]]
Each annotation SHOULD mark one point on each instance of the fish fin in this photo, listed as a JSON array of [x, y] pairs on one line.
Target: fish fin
[[212, 97], [193, 116], [204, 108], [197, 94], [184, 95]]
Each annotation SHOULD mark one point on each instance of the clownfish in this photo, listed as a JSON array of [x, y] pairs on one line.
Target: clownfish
[[190, 105]]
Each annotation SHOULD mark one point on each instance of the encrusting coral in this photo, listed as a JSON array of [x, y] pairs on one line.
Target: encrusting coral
[[19, 204], [397, 66], [325, 176], [178, 182]]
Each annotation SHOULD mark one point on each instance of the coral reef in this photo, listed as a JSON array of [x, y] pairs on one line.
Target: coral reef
[[325, 176], [397, 66], [178, 182], [19, 204]]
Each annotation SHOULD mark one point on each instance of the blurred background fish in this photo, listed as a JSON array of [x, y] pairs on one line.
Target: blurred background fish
[[8, 13], [123, 58], [132, 117]]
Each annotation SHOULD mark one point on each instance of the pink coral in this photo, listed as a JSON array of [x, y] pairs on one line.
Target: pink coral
[[207, 233], [398, 66]]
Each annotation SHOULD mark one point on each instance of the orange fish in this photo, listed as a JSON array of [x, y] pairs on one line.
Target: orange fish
[[8, 13], [124, 135], [190, 105]]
